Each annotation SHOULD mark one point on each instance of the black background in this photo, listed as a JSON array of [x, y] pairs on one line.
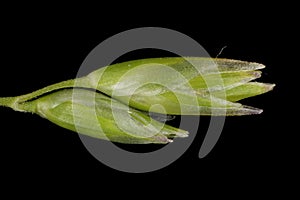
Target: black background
[[42, 47]]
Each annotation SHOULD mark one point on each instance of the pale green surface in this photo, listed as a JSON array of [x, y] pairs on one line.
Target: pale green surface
[[182, 86], [91, 114]]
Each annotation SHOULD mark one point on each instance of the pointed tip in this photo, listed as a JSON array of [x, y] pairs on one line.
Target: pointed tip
[[182, 133], [265, 87], [238, 65], [248, 110], [259, 111], [244, 110], [270, 86], [257, 65]]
